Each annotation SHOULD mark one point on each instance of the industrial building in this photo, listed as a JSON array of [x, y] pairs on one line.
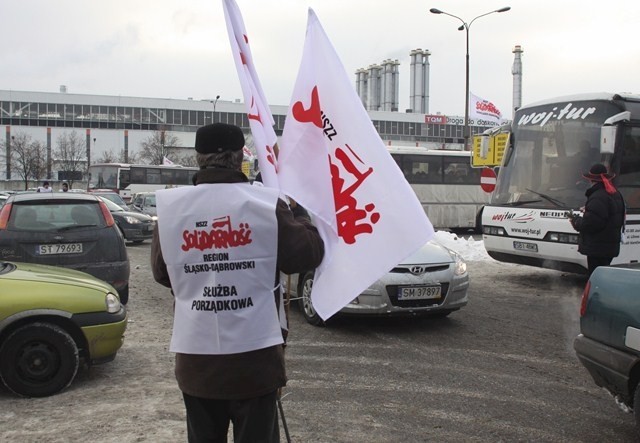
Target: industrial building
[[118, 124]]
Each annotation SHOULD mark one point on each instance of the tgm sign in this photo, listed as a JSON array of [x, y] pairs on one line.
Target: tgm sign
[[435, 119]]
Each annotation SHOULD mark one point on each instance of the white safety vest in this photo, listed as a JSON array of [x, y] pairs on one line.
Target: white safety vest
[[220, 244]]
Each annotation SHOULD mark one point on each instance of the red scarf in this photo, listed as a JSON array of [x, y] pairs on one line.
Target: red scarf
[[608, 186]]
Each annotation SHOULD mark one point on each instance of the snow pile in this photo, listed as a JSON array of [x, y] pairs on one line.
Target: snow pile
[[469, 248]]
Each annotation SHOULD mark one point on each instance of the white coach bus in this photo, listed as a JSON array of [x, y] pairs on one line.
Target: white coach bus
[[552, 143], [445, 183]]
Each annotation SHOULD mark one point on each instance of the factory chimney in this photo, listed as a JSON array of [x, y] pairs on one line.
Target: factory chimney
[[516, 70]]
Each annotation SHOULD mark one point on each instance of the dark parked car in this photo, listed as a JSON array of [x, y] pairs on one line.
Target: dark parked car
[[145, 203], [72, 230], [135, 227], [52, 318], [110, 195], [609, 341]]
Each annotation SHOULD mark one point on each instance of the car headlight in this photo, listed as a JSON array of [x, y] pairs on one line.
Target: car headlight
[[112, 302], [131, 220], [460, 265], [154, 217]]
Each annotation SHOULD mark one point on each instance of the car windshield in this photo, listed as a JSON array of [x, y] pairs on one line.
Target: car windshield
[[111, 205], [115, 198], [56, 216]]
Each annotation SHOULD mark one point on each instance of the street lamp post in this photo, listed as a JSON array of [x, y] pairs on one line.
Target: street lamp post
[[465, 26], [214, 107]]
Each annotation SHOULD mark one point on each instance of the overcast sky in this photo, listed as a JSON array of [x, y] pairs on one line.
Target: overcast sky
[[180, 48]]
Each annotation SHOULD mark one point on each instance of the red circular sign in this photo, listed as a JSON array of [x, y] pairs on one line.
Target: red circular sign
[[488, 180]]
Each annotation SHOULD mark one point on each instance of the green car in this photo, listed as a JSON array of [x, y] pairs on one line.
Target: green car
[[51, 318]]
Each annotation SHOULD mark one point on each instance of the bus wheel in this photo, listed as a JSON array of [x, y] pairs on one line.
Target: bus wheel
[[478, 229]]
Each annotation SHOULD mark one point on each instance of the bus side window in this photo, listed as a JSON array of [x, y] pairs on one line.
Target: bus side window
[[153, 177], [456, 173], [124, 179], [629, 179]]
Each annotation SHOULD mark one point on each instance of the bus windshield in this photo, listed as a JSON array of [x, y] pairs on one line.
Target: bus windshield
[[550, 146], [104, 177]]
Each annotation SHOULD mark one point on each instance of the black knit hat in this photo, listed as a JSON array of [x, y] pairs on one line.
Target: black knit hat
[[219, 137]]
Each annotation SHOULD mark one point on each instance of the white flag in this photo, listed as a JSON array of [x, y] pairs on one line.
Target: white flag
[[333, 162], [260, 118], [482, 109], [166, 161]]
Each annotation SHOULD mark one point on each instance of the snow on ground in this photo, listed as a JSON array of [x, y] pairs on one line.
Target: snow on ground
[[469, 248]]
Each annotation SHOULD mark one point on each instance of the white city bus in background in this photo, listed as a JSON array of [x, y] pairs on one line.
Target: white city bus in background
[[126, 179], [445, 183], [551, 144]]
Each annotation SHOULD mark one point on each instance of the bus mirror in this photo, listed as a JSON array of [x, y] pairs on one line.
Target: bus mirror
[[609, 130], [608, 139]]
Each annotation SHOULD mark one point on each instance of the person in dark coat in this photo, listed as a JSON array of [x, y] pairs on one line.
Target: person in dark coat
[[240, 388], [600, 227]]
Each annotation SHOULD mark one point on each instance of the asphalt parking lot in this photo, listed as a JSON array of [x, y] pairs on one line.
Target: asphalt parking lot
[[501, 369]]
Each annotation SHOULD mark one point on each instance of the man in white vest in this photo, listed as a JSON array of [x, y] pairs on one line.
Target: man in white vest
[[220, 246]]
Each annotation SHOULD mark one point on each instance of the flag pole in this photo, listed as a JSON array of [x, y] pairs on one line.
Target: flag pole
[[284, 422]]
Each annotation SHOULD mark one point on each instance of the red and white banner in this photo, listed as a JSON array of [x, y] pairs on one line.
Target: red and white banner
[[482, 109], [248, 155], [258, 112], [333, 162]]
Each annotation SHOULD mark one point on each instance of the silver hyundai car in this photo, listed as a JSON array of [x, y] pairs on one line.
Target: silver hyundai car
[[433, 281]]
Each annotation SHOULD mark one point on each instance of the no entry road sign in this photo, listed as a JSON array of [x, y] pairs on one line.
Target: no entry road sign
[[488, 180]]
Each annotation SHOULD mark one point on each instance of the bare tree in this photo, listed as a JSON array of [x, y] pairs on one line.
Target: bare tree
[[107, 157], [155, 148], [28, 158], [111, 157], [71, 154], [133, 157], [187, 160]]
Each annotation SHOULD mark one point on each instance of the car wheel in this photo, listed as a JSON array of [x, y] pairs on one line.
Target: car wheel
[[38, 360], [305, 303], [124, 295]]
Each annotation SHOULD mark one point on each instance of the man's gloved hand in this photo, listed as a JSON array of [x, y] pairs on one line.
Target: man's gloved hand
[[575, 219]]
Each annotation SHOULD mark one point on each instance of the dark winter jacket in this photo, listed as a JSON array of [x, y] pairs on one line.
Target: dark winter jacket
[[254, 373], [601, 225]]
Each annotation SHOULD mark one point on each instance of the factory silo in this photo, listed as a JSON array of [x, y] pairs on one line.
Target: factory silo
[[373, 87], [389, 85], [419, 81], [361, 86]]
